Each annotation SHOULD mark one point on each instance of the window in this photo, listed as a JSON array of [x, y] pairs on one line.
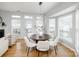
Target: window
[[52, 27], [29, 26], [65, 27], [28, 23], [16, 26]]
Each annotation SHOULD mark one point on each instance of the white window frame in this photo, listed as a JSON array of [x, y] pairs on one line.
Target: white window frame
[[73, 27]]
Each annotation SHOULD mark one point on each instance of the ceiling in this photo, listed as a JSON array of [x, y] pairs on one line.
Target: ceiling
[[61, 6], [27, 7]]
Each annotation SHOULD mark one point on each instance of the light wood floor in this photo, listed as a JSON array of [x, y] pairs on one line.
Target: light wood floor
[[19, 50]]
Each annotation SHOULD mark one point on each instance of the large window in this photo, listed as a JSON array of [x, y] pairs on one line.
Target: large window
[[16, 26], [52, 27], [29, 25], [65, 27]]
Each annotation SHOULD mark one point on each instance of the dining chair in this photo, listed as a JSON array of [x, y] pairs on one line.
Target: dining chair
[[54, 43], [29, 45], [43, 46], [30, 39]]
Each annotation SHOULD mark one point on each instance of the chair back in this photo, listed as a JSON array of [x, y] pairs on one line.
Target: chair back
[[43, 45], [29, 35], [27, 41], [29, 38], [55, 42]]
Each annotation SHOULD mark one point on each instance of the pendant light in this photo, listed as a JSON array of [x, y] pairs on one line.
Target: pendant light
[[40, 4], [41, 26]]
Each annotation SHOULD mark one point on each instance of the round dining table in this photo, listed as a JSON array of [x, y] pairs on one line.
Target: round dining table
[[37, 37]]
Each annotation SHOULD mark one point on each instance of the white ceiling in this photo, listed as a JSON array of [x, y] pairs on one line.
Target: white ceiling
[[27, 7]]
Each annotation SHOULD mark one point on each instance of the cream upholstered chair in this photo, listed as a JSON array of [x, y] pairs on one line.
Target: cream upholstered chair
[[29, 44], [29, 37], [54, 43], [43, 45]]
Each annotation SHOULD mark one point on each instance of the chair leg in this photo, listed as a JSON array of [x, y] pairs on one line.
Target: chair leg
[[38, 53], [56, 49], [47, 53], [28, 51]]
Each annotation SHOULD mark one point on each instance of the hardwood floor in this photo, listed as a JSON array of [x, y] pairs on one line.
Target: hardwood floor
[[19, 50]]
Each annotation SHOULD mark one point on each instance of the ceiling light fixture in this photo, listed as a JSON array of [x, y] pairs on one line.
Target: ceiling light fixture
[[28, 17], [15, 16], [40, 3]]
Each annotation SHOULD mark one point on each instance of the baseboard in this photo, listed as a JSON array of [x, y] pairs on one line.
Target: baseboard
[[70, 48]]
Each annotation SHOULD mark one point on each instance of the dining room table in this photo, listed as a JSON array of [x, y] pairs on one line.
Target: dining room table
[[37, 37]]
